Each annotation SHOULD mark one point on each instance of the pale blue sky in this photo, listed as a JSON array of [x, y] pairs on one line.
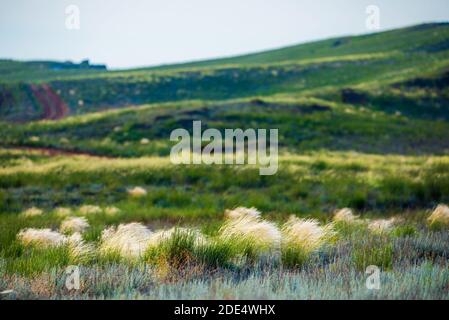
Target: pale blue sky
[[140, 33]]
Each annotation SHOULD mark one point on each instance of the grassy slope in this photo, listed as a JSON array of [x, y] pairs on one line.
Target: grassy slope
[[304, 125], [412, 42], [309, 184], [413, 258], [301, 89], [392, 118], [390, 41]]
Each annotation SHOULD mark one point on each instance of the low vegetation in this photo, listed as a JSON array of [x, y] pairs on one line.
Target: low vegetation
[[363, 179]]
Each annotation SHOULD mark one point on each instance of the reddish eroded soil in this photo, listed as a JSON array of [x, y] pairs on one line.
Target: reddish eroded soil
[[54, 107]]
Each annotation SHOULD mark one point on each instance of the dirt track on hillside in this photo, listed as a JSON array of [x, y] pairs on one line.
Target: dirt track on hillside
[[54, 107]]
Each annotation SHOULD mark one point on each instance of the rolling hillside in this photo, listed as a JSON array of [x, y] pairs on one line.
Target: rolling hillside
[[362, 179], [379, 93]]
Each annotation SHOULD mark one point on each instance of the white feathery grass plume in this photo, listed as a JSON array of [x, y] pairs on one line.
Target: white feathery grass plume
[[242, 212], [253, 231], [45, 238], [144, 141], [439, 216], [32, 212], [160, 236], [111, 211], [137, 192], [129, 240], [90, 209], [64, 140], [63, 212], [306, 234], [74, 224], [78, 249], [381, 225], [345, 215]]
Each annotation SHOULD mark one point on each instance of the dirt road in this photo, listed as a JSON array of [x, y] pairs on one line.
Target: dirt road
[[54, 107]]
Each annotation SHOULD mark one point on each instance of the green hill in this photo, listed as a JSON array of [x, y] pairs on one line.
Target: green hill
[[428, 38], [379, 93]]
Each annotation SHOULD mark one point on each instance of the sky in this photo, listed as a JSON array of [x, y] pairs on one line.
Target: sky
[[134, 33]]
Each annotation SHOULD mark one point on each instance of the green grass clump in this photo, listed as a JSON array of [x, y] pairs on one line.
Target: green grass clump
[[217, 254], [34, 260], [182, 248], [404, 231], [293, 257], [377, 251]]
